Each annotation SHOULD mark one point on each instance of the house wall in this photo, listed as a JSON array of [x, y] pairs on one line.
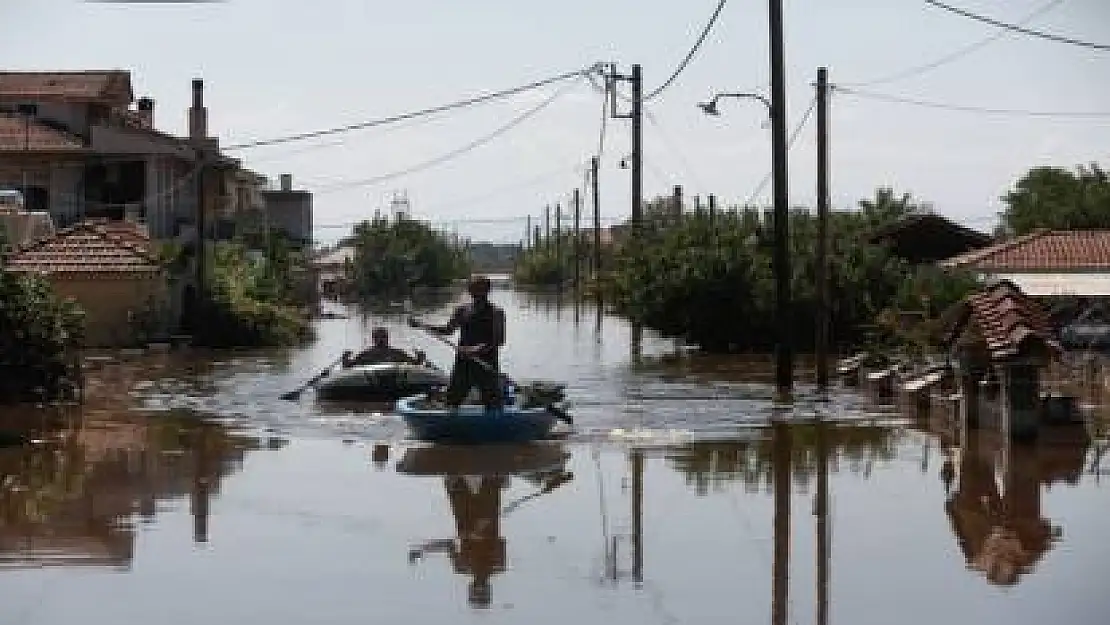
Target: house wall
[[72, 115], [1086, 284], [107, 301], [290, 211]]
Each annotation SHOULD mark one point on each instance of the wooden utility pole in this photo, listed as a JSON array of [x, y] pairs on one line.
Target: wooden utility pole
[[577, 240], [697, 206], [595, 193], [528, 230], [712, 209], [536, 237], [676, 206], [784, 356], [822, 330], [637, 151]]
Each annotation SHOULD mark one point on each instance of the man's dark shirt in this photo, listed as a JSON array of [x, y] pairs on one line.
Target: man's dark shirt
[[480, 324], [374, 355]]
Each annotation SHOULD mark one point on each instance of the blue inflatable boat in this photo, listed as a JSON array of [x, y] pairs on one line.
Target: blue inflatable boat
[[472, 423]]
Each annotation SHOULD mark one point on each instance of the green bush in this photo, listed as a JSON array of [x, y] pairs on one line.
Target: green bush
[[39, 334], [395, 256]]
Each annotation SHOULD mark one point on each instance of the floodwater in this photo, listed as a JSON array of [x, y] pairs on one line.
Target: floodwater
[[185, 491]]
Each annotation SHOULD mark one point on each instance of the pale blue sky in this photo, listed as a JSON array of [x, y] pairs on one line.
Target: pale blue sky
[[274, 67]]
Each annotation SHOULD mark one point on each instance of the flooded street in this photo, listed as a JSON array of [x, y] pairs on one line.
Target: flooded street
[[187, 491]]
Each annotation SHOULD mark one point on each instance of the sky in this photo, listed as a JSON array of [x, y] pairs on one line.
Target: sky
[[277, 67]]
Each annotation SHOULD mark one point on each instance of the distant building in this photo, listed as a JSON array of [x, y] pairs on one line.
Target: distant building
[[289, 210]]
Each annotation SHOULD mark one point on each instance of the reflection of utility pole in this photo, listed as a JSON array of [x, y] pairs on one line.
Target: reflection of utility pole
[[780, 568], [637, 459], [822, 513]]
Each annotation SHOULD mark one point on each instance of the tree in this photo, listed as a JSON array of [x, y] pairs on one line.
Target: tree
[[393, 257], [39, 332], [1058, 199]]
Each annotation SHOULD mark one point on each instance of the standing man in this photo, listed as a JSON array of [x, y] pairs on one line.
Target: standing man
[[481, 326]]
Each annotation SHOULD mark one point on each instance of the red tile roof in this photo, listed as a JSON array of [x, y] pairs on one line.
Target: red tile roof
[[17, 135], [1042, 250], [1006, 318], [79, 86], [88, 247]]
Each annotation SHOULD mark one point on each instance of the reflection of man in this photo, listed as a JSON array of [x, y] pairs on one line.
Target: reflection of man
[[479, 549]]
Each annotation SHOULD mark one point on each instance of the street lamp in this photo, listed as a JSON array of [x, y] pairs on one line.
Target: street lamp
[[710, 107], [781, 257]]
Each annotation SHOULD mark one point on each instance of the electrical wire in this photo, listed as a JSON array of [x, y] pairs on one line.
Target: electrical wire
[[1019, 29], [443, 158], [689, 55], [673, 146], [496, 95], [956, 54], [970, 109], [789, 144]]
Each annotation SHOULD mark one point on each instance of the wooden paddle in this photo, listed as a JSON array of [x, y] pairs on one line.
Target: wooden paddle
[[551, 407], [294, 394]]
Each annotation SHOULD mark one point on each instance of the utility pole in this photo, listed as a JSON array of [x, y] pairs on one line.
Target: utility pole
[[697, 206], [637, 151], [822, 333], [595, 165], [536, 237], [558, 240], [784, 357], [577, 241], [712, 210], [636, 115], [676, 208], [547, 225], [528, 229]]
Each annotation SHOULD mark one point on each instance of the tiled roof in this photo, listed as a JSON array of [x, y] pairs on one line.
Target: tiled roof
[[88, 247], [1042, 250], [17, 135], [81, 86], [1005, 318]]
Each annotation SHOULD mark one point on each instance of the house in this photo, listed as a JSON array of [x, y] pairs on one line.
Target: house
[[289, 210], [926, 237], [80, 146], [1046, 263], [109, 270]]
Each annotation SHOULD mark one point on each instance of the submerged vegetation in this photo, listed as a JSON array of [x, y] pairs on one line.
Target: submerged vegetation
[[39, 336], [708, 279], [394, 257]]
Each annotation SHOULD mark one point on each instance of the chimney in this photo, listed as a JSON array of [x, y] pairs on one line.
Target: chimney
[[198, 115], [287, 182], [146, 112]]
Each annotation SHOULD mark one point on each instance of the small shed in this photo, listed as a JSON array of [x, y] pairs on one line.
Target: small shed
[[107, 268]]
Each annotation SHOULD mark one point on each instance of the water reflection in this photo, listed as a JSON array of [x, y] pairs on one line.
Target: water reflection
[[995, 502], [474, 479], [73, 495]]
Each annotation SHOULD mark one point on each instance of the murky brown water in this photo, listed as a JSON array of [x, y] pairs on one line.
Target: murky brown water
[[673, 502]]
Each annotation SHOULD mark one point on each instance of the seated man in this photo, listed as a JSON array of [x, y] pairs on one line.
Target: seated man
[[381, 351]]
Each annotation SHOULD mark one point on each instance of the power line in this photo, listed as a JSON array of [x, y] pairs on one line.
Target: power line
[[496, 95], [449, 155], [1019, 29], [689, 55], [789, 144], [690, 171], [969, 109], [958, 53]]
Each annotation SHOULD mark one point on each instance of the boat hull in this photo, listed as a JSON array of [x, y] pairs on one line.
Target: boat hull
[[380, 382], [472, 424]]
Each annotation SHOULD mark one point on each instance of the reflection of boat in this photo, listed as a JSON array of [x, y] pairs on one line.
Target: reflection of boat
[[474, 478], [474, 423], [386, 381], [489, 460]]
